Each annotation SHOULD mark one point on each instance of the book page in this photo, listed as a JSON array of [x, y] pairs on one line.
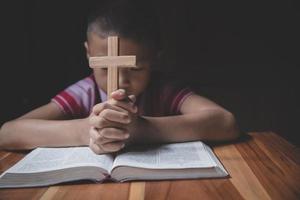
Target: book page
[[170, 156], [46, 159]]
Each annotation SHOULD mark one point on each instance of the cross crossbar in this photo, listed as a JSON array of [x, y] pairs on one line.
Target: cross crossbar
[[112, 62]]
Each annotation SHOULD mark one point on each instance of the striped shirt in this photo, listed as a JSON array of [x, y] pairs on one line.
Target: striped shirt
[[78, 99]]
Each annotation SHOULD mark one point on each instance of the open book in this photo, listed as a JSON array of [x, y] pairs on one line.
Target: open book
[[48, 166]]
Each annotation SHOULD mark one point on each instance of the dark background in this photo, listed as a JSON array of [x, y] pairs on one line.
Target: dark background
[[243, 55]]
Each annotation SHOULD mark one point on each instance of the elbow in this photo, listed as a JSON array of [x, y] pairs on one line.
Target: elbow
[[8, 142], [218, 125], [3, 133], [231, 130]]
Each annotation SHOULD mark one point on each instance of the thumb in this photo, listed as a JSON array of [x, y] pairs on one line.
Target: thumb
[[119, 94]]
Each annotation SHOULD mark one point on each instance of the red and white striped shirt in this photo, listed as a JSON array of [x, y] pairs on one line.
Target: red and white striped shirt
[[78, 99]]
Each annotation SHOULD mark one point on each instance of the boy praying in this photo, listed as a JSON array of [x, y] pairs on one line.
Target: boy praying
[[146, 108]]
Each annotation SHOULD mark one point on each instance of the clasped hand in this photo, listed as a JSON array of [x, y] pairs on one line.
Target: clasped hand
[[112, 122]]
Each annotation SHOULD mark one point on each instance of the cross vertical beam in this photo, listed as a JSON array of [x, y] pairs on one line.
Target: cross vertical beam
[[112, 62], [112, 71]]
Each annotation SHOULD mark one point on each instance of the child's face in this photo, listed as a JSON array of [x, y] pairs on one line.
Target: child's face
[[133, 80]]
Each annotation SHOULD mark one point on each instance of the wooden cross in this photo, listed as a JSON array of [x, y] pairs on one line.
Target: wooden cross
[[112, 62]]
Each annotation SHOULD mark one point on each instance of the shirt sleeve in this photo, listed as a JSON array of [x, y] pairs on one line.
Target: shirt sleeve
[[173, 96], [77, 100]]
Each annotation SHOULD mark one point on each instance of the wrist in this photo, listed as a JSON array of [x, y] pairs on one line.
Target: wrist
[[83, 131], [144, 132]]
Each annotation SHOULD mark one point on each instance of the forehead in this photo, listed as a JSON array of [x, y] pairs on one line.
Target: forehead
[[98, 45]]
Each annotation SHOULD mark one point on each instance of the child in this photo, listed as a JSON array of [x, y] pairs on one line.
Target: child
[[156, 113]]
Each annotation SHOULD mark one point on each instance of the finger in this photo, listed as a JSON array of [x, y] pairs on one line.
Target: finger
[[101, 137], [96, 137], [113, 146], [95, 148], [119, 94], [114, 134], [100, 123], [132, 98], [126, 105], [105, 105], [115, 116], [114, 105]]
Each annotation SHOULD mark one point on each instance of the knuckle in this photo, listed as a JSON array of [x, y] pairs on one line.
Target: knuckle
[[94, 108], [105, 105], [105, 132], [101, 137], [98, 138], [99, 151], [126, 112], [125, 117], [115, 134], [105, 113], [102, 122], [113, 102], [92, 120], [109, 133], [97, 107], [96, 149]]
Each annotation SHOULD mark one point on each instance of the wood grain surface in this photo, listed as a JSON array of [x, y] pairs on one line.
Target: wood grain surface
[[261, 165]]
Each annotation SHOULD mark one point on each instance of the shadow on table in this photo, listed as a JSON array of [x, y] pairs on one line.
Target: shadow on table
[[243, 138]]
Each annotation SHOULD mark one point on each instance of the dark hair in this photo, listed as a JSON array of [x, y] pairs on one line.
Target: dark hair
[[131, 19]]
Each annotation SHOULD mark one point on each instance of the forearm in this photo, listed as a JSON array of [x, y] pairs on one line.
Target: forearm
[[32, 133], [208, 125]]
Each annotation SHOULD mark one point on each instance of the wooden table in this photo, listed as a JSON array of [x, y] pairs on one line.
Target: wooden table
[[261, 165]]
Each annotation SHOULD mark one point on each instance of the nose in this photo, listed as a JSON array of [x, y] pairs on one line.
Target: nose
[[124, 78]]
